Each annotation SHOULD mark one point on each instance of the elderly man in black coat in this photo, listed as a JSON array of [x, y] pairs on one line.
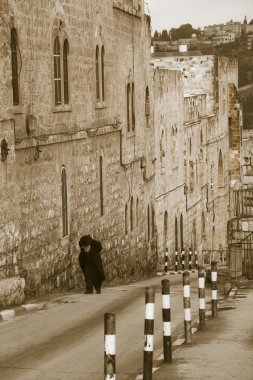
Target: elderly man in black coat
[[91, 263]]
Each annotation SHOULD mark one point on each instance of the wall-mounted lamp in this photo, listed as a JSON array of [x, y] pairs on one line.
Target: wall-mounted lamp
[[36, 153], [4, 150]]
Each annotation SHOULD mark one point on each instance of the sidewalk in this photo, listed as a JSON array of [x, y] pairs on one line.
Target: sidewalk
[[222, 351]]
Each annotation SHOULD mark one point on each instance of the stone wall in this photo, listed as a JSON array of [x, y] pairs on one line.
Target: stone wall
[[44, 138]]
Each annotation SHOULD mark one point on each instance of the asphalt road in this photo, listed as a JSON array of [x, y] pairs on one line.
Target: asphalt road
[[66, 340]]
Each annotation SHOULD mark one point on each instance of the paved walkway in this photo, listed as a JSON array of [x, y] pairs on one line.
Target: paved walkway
[[223, 351]]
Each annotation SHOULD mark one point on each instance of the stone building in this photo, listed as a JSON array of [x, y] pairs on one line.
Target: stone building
[[96, 140], [74, 108], [194, 200]]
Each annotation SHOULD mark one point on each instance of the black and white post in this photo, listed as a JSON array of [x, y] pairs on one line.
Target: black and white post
[[190, 259], [187, 307], [214, 288], [167, 342], [149, 333], [166, 260], [202, 307], [196, 259], [176, 261], [110, 347], [182, 259]]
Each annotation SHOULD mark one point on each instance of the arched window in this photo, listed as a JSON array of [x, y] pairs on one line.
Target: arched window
[[147, 106], [126, 220], [97, 74], [65, 71], [101, 186], [14, 67], [176, 235], [133, 108], [131, 214], [220, 171], [57, 71], [128, 106], [64, 202], [103, 72], [148, 215], [181, 232]]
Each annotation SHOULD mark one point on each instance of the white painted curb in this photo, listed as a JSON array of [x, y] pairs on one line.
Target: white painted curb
[[30, 306], [7, 314]]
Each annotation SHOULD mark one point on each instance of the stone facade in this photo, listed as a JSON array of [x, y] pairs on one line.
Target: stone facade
[[88, 139], [135, 154], [199, 193]]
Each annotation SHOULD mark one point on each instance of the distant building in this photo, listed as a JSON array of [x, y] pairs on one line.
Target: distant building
[[224, 38]]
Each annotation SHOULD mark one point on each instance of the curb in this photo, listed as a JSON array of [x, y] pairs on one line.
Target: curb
[[171, 272], [232, 292], [8, 314]]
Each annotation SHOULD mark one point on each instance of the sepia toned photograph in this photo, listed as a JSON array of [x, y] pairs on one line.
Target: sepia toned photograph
[[126, 189]]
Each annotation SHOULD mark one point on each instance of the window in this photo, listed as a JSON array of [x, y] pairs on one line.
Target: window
[[131, 214], [133, 108], [148, 215], [181, 232], [147, 107], [203, 226], [100, 74], [126, 218], [130, 107], [176, 235], [137, 211], [153, 220], [103, 72], [97, 74], [191, 184], [64, 202], [220, 171], [65, 71], [57, 71], [101, 186], [14, 67], [165, 229]]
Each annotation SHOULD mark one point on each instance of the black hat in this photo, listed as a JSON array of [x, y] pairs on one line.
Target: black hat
[[85, 240]]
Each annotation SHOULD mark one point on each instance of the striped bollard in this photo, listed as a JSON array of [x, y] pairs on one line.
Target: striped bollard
[[187, 307], [182, 257], [190, 259], [167, 342], [110, 349], [149, 333], [176, 261], [166, 261], [196, 259], [201, 276], [214, 288]]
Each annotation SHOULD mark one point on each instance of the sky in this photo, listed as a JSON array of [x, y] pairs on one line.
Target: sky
[[167, 14]]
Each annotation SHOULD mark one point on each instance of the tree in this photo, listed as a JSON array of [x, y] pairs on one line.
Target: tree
[[156, 35], [165, 36], [184, 31]]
